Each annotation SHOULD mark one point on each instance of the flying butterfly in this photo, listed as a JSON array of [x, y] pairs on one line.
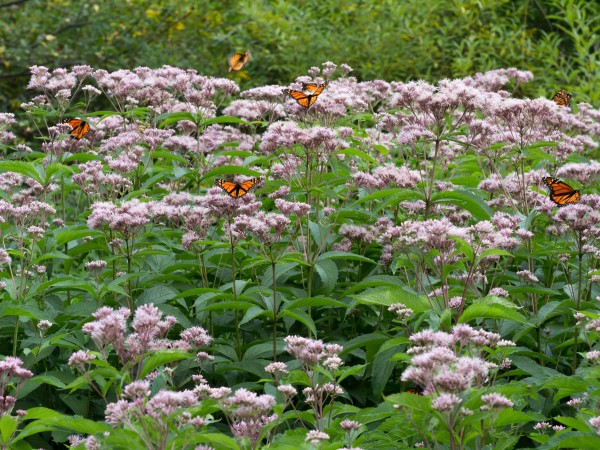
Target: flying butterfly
[[237, 61], [237, 190], [307, 100], [80, 127], [561, 193], [562, 98]]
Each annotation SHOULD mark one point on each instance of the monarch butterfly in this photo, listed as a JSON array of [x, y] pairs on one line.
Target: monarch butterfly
[[417, 391], [562, 98], [561, 193], [310, 87], [306, 100], [237, 190], [80, 127], [237, 61]]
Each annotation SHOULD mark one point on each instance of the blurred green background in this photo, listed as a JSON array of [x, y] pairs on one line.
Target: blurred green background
[[558, 40]]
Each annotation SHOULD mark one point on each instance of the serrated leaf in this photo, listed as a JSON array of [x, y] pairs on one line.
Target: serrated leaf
[[391, 295], [466, 200], [301, 317], [162, 357], [24, 168], [480, 311]]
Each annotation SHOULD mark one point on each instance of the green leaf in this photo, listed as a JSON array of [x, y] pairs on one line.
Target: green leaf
[[509, 416], [534, 369], [328, 273], [55, 169], [344, 256], [8, 425], [301, 317], [172, 118], [218, 440], [64, 236], [254, 312], [466, 200], [566, 386], [412, 402], [24, 168], [383, 366], [349, 371], [389, 296], [574, 422], [223, 119], [531, 290], [280, 269], [479, 311], [494, 252], [8, 309], [157, 295], [230, 170], [162, 357], [355, 152], [571, 440], [315, 301]]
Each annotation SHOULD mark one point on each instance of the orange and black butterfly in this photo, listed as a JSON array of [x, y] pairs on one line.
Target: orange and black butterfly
[[237, 190], [561, 193], [237, 61], [562, 98], [80, 127], [310, 87], [307, 100]]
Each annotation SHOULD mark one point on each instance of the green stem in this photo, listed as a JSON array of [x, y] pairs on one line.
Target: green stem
[[274, 312], [15, 336], [237, 320]]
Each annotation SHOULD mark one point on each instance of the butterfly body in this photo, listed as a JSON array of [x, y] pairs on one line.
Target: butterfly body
[[237, 61], [237, 190], [80, 127], [561, 193], [562, 98], [307, 100]]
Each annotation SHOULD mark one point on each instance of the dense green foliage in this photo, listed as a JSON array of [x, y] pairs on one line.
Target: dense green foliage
[[417, 243], [392, 40]]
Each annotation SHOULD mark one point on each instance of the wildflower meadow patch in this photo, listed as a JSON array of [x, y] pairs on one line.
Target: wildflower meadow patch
[[333, 264]]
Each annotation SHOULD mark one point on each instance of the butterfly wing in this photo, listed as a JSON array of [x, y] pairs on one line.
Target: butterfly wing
[[561, 193], [562, 98], [248, 184], [237, 190], [228, 186], [316, 93], [310, 87], [79, 127], [319, 89], [306, 100], [237, 61], [301, 98]]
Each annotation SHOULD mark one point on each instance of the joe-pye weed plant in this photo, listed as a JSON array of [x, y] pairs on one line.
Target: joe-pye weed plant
[[401, 238]]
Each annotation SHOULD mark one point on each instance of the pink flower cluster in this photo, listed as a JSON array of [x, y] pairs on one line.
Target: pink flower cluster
[[439, 368], [110, 331]]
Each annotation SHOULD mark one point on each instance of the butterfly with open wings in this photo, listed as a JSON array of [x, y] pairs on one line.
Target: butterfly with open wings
[[307, 100], [237, 190], [80, 127]]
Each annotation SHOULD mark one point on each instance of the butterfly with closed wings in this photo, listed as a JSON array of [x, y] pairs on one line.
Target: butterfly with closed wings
[[307, 100], [562, 98], [561, 193], [80, 127], [237, 61], [237, 190]]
